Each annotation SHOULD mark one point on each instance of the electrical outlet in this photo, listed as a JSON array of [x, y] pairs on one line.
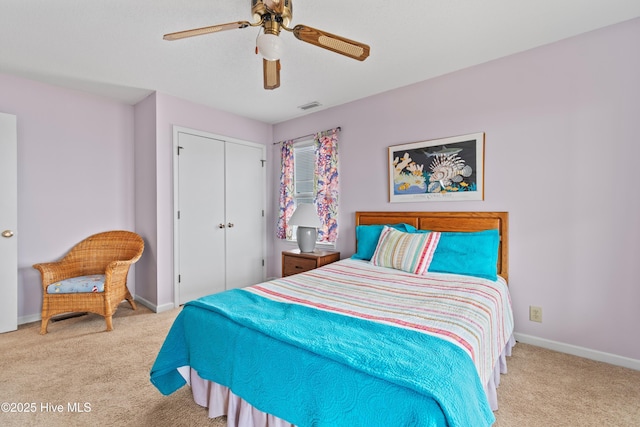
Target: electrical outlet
[[535, 314]]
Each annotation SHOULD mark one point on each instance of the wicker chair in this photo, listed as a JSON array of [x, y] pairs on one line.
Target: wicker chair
[[110, 254]]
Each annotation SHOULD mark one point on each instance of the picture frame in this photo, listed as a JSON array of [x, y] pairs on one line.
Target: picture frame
[[445, 169]]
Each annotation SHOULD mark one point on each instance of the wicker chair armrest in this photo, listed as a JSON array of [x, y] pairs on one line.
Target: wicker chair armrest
[[55, 271], [116, 274]]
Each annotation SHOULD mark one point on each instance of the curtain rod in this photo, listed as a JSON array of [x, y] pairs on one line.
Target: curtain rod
[[338, 129]]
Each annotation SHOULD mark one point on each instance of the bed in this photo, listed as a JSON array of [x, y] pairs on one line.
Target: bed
[[413, 329]]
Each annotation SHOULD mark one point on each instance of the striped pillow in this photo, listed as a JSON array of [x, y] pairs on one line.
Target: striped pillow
[[411, 252]]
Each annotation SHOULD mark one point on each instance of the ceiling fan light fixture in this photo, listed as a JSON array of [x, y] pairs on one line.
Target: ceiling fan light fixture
[[272, 16], [270, 46]]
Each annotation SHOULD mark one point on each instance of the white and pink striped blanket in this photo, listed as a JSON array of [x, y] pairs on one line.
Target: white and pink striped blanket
[[473, 313]]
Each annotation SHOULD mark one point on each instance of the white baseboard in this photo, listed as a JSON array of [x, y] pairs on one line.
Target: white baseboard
[[156, 309], [153, 307], [30, 318], [146, 303], [587, 353], [165, 307]]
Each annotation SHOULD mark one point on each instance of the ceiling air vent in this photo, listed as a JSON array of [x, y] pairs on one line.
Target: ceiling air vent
[[310, 105]]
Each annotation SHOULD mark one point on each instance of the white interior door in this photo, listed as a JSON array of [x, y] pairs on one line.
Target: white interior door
[[8, 223], [201, 224], [245, 177]]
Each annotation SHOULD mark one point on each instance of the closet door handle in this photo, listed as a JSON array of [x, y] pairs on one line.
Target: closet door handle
[[221, 225], [230, 225]]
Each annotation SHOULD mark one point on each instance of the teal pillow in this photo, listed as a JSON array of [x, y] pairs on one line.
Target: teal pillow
[[367, 238], [468, 253]]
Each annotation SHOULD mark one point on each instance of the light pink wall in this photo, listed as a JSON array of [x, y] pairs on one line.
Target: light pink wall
[[146, 197], [75, 174], [561, 157], [88, 164]]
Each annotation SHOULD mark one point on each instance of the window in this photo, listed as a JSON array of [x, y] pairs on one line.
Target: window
[[304, 162], [310, 175]]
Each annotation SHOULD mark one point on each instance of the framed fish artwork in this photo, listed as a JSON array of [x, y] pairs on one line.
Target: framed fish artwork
[[438, 170]]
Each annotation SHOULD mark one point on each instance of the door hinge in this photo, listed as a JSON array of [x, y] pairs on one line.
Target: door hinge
[[263, 263], [179, 278], [263, 162], [262, 212], [178, 214], [180, 148]]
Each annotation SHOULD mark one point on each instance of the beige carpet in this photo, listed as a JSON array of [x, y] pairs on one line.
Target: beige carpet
[[78, 363]]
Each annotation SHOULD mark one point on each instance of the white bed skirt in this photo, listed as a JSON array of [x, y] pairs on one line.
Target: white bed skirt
[[491, 388], [222, 401]]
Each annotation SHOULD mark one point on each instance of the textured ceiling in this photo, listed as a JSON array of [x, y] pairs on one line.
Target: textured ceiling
[[115, 48]]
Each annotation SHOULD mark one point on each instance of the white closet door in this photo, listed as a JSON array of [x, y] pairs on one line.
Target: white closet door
[[8, 223], [245, 178], [201, 247]]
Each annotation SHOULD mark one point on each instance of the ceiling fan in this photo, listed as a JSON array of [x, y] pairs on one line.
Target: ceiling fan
[[274, 16]]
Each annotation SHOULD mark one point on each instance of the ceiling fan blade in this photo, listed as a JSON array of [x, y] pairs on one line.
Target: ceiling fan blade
[[206, 30], [341, 45], [271, 71]]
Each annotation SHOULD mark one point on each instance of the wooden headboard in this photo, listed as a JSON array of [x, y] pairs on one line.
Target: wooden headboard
[[449, 221]]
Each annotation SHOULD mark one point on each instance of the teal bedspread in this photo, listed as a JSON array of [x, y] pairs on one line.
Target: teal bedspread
[[316, 368]]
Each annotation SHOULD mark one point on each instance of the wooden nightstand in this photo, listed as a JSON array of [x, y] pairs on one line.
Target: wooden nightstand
[[294, 261]]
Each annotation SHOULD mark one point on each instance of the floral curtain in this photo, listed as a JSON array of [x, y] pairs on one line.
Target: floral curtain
[[326, 184], [287, 205]]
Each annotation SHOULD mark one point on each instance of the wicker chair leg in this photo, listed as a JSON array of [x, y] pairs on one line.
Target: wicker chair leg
[[109, 323], [131, 302], [43, 325]]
